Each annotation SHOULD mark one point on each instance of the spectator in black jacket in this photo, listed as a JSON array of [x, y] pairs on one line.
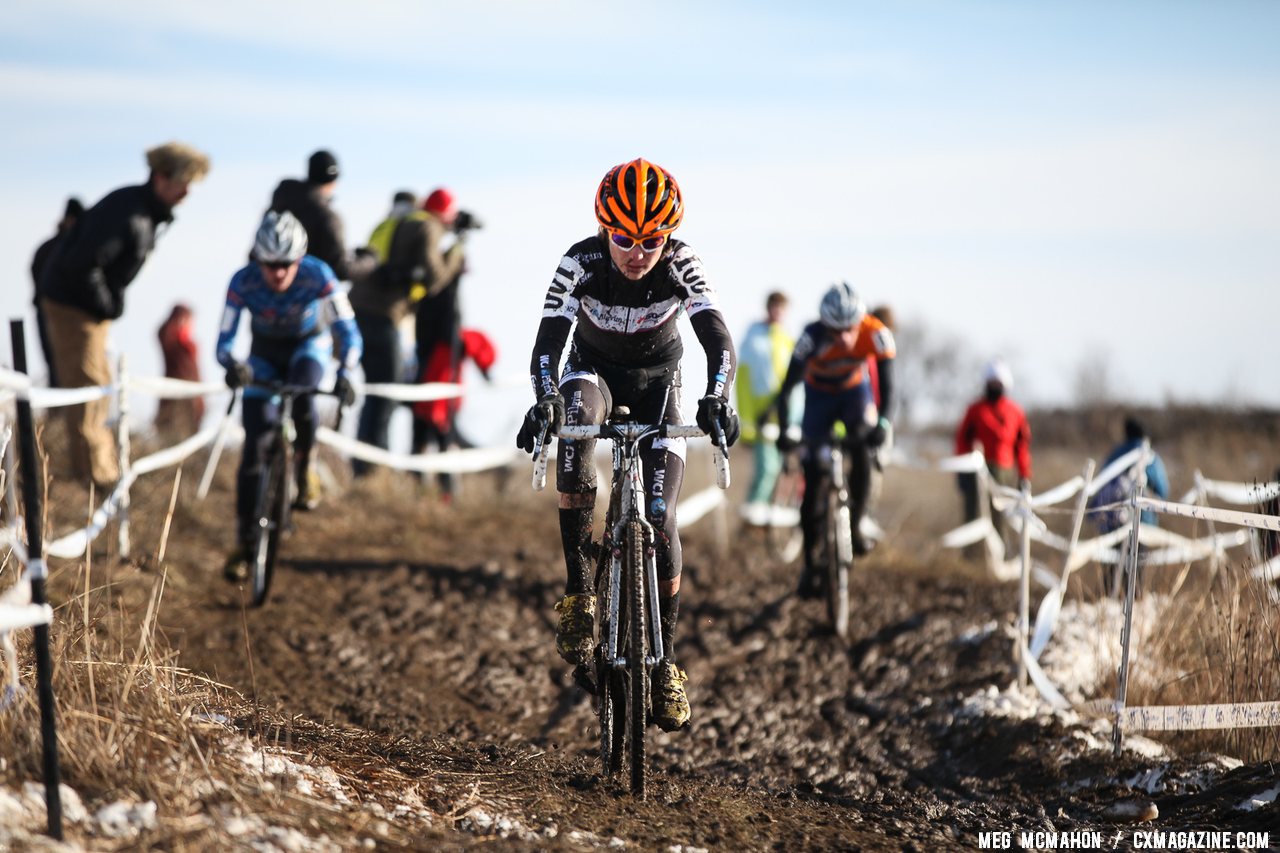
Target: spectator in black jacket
[[74, 209], [82, 286], [309, 201]]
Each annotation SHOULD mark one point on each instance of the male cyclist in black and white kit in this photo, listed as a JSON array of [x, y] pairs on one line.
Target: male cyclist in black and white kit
[[627, 284]]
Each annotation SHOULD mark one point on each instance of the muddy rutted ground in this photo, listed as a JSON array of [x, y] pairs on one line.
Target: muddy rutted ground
[[409, 645]]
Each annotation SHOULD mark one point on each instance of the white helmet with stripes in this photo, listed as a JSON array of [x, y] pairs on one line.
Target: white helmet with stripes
[[841, 307], [281, 239]]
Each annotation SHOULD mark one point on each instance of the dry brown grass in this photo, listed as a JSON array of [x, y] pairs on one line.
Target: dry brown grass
[[135, 725]]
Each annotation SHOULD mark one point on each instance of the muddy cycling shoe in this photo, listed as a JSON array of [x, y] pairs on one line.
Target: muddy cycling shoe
[[309, 493], [670, 704], [236, 568], [575, 633]]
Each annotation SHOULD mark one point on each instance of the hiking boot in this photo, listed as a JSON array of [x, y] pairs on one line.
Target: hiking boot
[[309, 492], [575, 633], [236, 568], [670, 704]]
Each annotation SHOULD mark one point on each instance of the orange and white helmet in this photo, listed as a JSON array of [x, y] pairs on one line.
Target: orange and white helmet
[[639, 199]]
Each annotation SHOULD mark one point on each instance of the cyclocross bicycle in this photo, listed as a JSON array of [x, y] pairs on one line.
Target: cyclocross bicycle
[[629, 633], [273, 506]]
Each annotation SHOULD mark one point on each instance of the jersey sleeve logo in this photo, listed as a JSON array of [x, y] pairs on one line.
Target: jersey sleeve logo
[[561, 301]]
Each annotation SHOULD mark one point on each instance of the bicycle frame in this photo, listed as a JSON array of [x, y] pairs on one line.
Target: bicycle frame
[[629, 539]]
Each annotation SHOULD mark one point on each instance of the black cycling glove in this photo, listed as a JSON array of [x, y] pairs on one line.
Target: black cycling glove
[[344, 391], [546, 414], [876, 437], [239, 374], [714, 410]]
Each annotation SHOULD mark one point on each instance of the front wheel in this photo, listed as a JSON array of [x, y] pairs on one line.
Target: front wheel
[[637, 649], [272, 519], [839, 558]]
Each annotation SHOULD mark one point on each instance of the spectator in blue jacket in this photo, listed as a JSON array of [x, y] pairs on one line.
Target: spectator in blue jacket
[[1121, 487]]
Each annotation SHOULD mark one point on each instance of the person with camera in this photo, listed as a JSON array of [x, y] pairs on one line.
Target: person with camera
[[830, 357], [293, 298], [620, 292], [438, 315]]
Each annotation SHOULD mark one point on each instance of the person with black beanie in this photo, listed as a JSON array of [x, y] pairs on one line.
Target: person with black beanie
[[310, 201]]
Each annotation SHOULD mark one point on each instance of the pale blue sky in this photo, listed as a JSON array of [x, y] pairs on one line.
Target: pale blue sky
[[1044, 178]]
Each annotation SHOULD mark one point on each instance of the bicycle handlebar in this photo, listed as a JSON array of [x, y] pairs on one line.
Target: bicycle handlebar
[[275, 388], [634, 432]]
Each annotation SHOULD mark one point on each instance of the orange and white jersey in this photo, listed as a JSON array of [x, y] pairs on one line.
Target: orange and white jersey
[[830, 363]]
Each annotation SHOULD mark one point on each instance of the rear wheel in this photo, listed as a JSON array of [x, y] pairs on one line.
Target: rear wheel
[[839, 556], [637, 648]]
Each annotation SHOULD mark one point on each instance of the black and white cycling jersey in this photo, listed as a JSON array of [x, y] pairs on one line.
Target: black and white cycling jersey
[[629, 325]]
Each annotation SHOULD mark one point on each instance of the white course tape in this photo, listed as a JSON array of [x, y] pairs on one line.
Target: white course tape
[[173, 389], [1240, 494], [175, 454], [1183, 718], [75, 543], [1042, 682], [24, 616], [1059, 493], [12, 380], [694, 507], [1268, 571], [968, 534], [970, 463], [52, 398], [1226, 516], [453, 461], [406, 393]]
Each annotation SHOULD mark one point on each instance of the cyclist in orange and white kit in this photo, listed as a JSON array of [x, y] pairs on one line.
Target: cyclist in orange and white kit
[[830, 358], [624, 287]]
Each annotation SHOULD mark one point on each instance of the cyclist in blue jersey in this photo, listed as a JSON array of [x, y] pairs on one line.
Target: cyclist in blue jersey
[[292, 299]]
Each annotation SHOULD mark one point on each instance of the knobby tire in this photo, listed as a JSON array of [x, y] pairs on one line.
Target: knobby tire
[[839, 541], [610, 692], [273, 507], [637, 648]]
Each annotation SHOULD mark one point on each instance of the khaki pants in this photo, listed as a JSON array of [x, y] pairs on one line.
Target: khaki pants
[[80, 359]]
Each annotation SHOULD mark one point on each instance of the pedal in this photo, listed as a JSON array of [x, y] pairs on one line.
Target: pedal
[[585, 678]]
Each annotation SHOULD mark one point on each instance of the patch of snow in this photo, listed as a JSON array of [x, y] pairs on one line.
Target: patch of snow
[[1085, 648], [1257, 801], [993, 702], [124, 820], [73, 809]]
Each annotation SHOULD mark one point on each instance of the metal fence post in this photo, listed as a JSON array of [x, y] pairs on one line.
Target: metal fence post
[[1130, 594], [39, 573]]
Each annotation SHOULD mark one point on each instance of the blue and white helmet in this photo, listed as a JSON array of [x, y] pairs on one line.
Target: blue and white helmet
[[281, 239], [841, 307]]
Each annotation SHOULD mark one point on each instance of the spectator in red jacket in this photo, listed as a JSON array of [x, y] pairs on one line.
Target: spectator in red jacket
[[435, 419], [180, 417], [999, 426]]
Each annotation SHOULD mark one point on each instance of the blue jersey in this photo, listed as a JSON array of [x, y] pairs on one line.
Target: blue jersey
[[312, 304]]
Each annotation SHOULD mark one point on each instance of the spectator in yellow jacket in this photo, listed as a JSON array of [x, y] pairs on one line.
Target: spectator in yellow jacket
[[762, 362]]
